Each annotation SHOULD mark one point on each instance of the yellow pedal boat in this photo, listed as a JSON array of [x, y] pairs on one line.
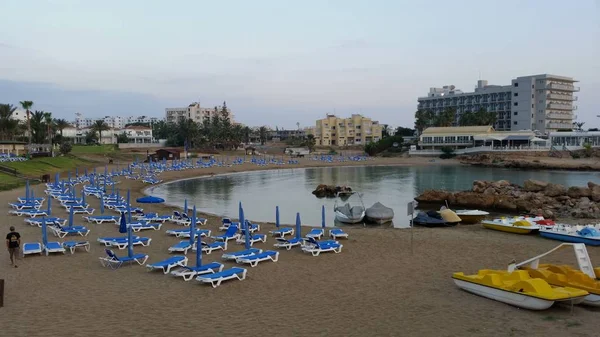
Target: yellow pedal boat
[[517, 288], [517, 227], [565, 276]]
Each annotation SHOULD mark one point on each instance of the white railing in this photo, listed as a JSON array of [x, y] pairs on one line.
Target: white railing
[[486, 148]]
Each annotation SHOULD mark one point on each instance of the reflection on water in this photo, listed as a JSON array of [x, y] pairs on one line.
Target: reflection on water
[[290, 189]]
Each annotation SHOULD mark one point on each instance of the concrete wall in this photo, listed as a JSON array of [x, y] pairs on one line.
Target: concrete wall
[[139, 145]]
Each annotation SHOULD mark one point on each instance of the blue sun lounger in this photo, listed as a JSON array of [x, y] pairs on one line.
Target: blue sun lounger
[[181, 247], [241, 253], [283, 231], [114, 262], [189, 272], [254, 259], [168, 264], [102, 218], [288, 244], [25, 205], [52, 221], [230, 234], [136, 227], [317, 247], [315, 233], [122, 243], [252, 239], [209, 247], [29, 212], [185, 233], [53, 247], [72, 245], [337, 233], [32, 248], [61, 232], [215, 279]]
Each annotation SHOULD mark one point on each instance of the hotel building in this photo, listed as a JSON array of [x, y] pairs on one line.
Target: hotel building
[[356, 130]]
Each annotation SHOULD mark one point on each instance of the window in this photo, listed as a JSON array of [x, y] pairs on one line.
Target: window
[[532, 86], [540, 101], [532, 96], [516, 94], [516, 103], [531, 115], [515, 122], [532, 106], [516, 84], [516, 113], [333, 128]]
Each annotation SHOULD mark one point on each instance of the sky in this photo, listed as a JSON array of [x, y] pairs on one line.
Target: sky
[[281, 62]]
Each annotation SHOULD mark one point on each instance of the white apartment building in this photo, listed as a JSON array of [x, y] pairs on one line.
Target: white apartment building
[[540, 102], [194, 112], [117, 122], [135, 134]]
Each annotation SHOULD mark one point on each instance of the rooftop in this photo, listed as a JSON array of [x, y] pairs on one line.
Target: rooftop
[[458, 130]]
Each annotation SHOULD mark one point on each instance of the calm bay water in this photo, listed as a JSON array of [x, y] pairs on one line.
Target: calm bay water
[[290, 189]]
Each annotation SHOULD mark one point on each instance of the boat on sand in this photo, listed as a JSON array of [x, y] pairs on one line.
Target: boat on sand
[[430, 219], [352, 211], [511, 226], [379, 213], [589, 235], [471, 216]]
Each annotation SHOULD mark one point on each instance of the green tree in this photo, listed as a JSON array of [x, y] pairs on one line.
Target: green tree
[[122, 138], [404, 132], [38, 127], [65, 148], [100, 126], [91, 137], [423, 120], [27, 105], [262, 134], [60, 125], [8, 125], [310, 142], [446, 117], [385, 131]]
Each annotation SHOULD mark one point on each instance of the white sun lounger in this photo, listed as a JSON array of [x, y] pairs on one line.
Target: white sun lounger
[[88, 211], [185, 233], [315, 233], [72, 245], [315, 247], [283, 231], [168, 264], [29, 212], [61, 232], [123, 242], [209, 247], [231, 234], [136, 227], [114, 262], [189, 272], [181, 247], [254, 259], [337, 233], [102, 218], [32, 248], [216, 279], [49, 221], [53, 247], [241, 253]]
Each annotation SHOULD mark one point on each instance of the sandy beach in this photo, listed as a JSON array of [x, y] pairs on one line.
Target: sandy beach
[[380, 285]]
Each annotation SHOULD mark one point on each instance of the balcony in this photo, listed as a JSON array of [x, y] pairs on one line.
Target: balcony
[[559, 126], [560, 116], [565, 87], [557, 106], [562, 97]]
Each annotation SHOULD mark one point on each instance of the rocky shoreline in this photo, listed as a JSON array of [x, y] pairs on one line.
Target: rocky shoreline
[[535, 197], [531, 163]]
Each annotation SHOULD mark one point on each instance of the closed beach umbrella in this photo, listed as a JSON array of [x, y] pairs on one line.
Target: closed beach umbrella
[[123, 224], [105, 171], [69, 176], [323, 217], [85, 171], [193, 227], [129, 241], [49, 210], [129, 205], [243, 224], [71, 216], [76, 172], [44, 232], [56, 179], [82, 197], [185, 209], [27, 190], [298, 227], [277, 216], [101, 205], [113, 189], [198, 251]]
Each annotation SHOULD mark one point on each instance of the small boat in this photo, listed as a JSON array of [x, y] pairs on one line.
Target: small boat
[[589, 235], [379, 213], [471, 216], [430, 219], [517, 288], [511, 226], [584, 278], [352, 211], [449, 216]]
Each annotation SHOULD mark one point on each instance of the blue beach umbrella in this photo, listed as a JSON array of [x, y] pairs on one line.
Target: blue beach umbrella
[[193, 228], [129, 204], [76, 172], [82, 197], [198, 249], [185, 207], [123, 224], [129, 241], [69, 176], [49, 210], [246, 229], [101, 205], [85, 171], [105, 171], [44, 232], [150, 200], [113, 189], [56, 179], [277, 216], [298, 227], [323, 217], [27, 190], [70, 216]]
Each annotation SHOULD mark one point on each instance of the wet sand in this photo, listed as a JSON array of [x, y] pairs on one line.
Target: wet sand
[[380, 285]]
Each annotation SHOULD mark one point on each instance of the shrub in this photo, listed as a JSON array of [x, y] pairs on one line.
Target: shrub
[[575, 155], [587, 150], [65, 148], [447, 153]]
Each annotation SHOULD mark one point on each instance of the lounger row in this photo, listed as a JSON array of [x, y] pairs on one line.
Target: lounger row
[[54, 247]]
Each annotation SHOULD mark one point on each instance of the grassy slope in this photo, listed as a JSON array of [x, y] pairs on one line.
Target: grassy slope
[[93, 149], [34, 168]]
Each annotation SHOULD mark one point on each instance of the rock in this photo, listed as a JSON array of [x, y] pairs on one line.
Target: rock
[[329, 191], [532, 185], [591, 184], [584, 203], [434, 196], [562, 198], [503, 183], [595, 192], [505, 202], [473, 199], [479, 186], [555, 190], [490, 190], [548, 214], [578, 192], [524, 205]]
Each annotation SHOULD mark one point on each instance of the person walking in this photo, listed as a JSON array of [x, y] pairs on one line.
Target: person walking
[[13, 241]]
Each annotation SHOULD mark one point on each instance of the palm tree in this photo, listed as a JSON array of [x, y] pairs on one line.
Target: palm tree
[[8, 125], [61, 124], [262, 132], [100, 126], [27, 105], [49, 126], [37, 127]]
